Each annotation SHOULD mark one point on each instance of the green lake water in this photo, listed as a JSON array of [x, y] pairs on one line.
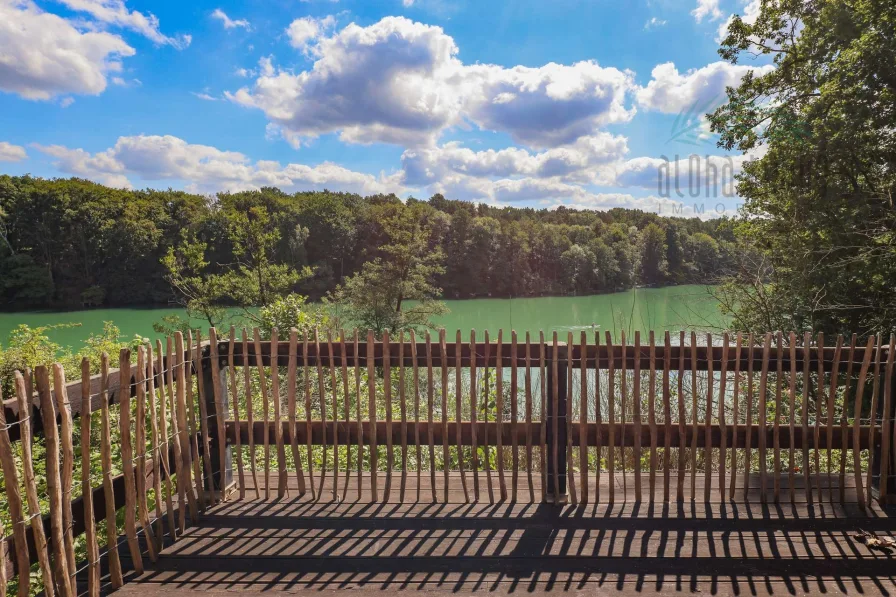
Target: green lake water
[[672, 308]]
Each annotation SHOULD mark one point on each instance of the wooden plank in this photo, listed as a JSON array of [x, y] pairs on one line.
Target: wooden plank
[[886, 426], [623, 381], [403, 414], [306, 375], [250, 414], [163, 449], [68, 469], [707, 421], [54, 486], [154, 427], [140, 438], [636, 415], [387, 397], [92, 547], [322, 398], [356, 344], [486, 391], [266, 414], [832, 392], [763, 387], [430, 398], [499, 415], [791, 463], [735, 423], [346, 394], [278, 416], [474, 415], [667, 414], [458, 403], [14, 506], [748, 449], [127, 465], [611, 413], [527, 385], [371, 415], [776, 438], [418, 450], [873, 415], [682, 422], [598, 421], [568, 423], [171, 367], [723, 379], [857, 421], [555, 432], [543, 427], [196, 455], [844, 444], [819, 403], [334, 388], [446, 457], [651, 412], [514, 415], [807, 340], [219, 392], [694, 423], [231, 373], [184, 478], [583, 419]]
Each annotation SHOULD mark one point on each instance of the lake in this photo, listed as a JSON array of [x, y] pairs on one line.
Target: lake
[[672, 308]]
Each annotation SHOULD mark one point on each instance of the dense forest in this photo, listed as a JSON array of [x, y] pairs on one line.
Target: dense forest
[[74, 243]]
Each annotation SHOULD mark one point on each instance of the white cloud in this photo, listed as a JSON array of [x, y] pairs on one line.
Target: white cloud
[[228, 22], [66, 102], [204, 96], [707, 8], [398, 81], [407, 3], [11, 153], [671, 92], [302, 32], [43, 55], [750, 14], [203, 168], [582, 161], [654, 23], [114, 12]]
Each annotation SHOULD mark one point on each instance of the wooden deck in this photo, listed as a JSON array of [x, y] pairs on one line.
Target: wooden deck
[[738, 547]]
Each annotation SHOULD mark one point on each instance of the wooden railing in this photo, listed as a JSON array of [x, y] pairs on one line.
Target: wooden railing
[[587, 420]]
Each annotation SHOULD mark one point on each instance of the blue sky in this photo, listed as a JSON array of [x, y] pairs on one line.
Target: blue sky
[[522, 102]]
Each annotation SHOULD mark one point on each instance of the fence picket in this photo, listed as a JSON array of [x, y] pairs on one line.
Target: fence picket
[[707, 421], [499, 415], [184, 477], [418, 450], [346, 394], [763, 387], [636, 415], [322, 398], [723, 429], [209, 496], [165, 448], [651, 412], [387, 397], [528, 390], [792, 419], [543, 427], [623, 379], [403, 413], [807, 481], [93, 550], [735, 416], [156, 451], [458, 398], [872, 418], [140, 437], [266, 414], [175, 435], [776, 425], [844, 430], [14, 505], [250, 410], [127, 461], [514, 414], [446, 459], [371, 415], [682, 419], [667, 414], [68, 468], [598, 420], [306, 375], [54, 488], [832, 391], [196, 457], [473, 421], [748, 436], [611, 413], [568, 422], [583, 417], [231, 373], [334, 389], [356, 343], [554, 415], [291, 406], [220, 394], [278, 415], [430, 435], [694, 422], [886, 429], [857, 419]]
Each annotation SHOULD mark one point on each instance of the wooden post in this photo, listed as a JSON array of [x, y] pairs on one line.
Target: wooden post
[[556, 423], [216, 407]]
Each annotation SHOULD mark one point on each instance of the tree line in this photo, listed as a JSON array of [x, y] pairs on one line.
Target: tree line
[[74, 243]]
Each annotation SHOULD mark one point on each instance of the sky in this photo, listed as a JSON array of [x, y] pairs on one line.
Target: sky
[[586, 103]]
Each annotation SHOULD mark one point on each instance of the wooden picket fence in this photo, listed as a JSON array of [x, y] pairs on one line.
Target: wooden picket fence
[[591, 419]]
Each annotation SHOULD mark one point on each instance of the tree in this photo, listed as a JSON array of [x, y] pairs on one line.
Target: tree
[[199, 292], [653, 255], [819, 220], [377, 297]]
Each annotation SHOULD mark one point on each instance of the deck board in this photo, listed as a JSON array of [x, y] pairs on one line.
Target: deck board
[[296, 546]]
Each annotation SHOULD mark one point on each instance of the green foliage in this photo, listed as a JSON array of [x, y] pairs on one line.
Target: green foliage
[[819, 224], [293, 311]]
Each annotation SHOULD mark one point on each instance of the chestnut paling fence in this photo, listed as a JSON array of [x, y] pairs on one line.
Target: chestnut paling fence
[[128, 458]]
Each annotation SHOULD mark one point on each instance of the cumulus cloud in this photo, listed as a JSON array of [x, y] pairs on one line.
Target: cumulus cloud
[[44, 55], [671, 92], [114, 12], [227, 22], [11, 153], [576, 162], [203, 168], [654, 23], [399, 81], [749, 16], [307, 30], [707, 8]]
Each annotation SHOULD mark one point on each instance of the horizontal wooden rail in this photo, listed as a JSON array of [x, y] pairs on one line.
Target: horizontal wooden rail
[[487, 433], [603, 353]]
